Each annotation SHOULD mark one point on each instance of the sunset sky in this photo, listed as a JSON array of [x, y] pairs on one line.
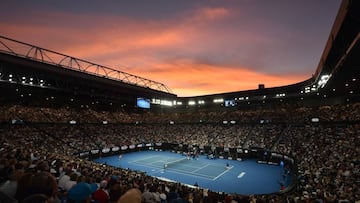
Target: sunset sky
[[194, 47]]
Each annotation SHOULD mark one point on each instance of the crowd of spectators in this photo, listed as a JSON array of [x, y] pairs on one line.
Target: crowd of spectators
[[38, 158], [328, 158], [278, 114]]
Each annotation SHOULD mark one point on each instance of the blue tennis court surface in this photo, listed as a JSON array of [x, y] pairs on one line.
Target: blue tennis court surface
[[184, 165], [242, 177]]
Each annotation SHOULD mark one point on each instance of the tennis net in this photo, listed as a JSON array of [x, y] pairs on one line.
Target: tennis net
[[171, 163]]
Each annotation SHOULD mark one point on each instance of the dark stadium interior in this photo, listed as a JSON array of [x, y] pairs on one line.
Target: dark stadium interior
[[316, 122]]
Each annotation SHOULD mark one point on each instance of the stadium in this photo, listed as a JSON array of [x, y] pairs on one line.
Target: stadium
[[75, 131]]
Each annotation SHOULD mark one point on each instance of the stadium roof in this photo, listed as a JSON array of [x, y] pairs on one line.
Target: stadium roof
[[341, 57]]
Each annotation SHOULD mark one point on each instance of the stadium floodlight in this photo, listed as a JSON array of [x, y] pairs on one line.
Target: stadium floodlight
[[166, 103], [315, 120], [220, 100], [201, 102], [191, 103], [323, 80], [282, 94], [155, 101]]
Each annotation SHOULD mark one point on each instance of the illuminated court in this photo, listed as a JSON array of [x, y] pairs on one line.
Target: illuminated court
[[230, 176]]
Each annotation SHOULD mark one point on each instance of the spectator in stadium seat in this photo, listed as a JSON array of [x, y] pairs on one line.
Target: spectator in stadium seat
[[148, 197], [101, 195], [10, 185], [131, 196], [115, 192], [36, 198], [172, 194], [81, 193], [37, 183], [71, 182], [64, 179]]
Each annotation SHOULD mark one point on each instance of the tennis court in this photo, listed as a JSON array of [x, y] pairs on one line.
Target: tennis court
[[242, 177], [184, 165]]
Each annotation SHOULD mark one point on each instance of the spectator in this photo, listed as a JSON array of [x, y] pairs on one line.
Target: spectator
[[81, 193]]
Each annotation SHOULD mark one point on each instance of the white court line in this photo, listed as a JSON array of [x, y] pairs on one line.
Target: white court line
[[150, 157], [150, 163], [147, 165], [241, 175], [188, 165], [191, 173], [198, 175], [200, 168], [223, 173]]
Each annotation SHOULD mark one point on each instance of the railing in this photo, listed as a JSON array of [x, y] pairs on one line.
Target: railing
[[24, 50]]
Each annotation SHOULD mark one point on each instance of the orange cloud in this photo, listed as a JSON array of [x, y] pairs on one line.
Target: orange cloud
[[191, 79], [178, 52], [206, 14]]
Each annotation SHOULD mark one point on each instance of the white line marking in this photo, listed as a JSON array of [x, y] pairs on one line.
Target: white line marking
[[200, 168], [241, 175], [198, 175], [223, 173]]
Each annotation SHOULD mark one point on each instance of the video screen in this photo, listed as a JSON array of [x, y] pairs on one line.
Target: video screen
[[143, 103], [229, 103]]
